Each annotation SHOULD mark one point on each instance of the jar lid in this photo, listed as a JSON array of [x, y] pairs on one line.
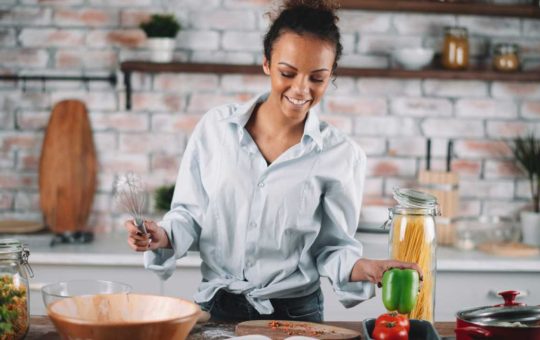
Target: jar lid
[[506, 48], [456, 31], [411, 198], [10, 245]]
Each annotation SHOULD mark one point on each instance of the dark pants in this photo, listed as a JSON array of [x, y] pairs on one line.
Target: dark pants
[[226, 306]]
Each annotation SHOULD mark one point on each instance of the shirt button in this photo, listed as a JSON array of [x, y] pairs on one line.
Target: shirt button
[[261, 184], [253, 224]]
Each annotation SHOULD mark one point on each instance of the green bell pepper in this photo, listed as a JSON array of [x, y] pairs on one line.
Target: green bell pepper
[[400, 289]]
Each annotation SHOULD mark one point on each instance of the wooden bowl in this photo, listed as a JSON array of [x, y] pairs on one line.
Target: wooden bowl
[[123, 316]]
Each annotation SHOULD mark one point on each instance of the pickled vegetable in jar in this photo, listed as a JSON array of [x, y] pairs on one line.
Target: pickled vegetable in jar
[[455, 54], [14, 290], [412, 239], [506, 57]]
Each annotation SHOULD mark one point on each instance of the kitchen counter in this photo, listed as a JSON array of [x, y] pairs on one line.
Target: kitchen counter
[[41, 328], [112, 250]]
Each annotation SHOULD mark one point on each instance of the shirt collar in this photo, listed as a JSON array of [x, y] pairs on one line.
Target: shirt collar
[[243, 112]]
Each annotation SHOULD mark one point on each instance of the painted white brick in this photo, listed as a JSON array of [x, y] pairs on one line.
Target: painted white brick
[[514, 90], [342, 86], [119, 3], [26, 201], [531, 28], [530, 110], [87, 17], [385, 126], [481, 148], [490, 26], [25, 16], [8, 160], [355, 105], [235, 20], [470, 208], [121, 162], [364, 22], [155, 101], [141, 143], [422, 24], [46, 37], [198, 40], [242, 41], [119, 121], [24, 57], [93, 100], [415, 147], [85, 59], [385, 166], [486, 108], [500, 189], [7, 120], [184, 83], [371, 145], [343, 123], [105, 141], [503, 208], [384, 44], [224, 57], [391, 182], [32, 119], [358, 60], [389, 87], [523, 188], [348, 41], [7, 37], [238, 83], [452, 128], [25, 100], [168, 123], [505, 129], [246, 3], [420, 107], [455, 88], [373, 187], [6, 201], [202, 102], [495, 169]]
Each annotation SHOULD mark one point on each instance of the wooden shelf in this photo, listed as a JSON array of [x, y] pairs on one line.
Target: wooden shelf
[[128, 67], [433, 6]]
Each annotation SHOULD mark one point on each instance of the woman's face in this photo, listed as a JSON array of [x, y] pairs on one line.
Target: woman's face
[[300, 71]]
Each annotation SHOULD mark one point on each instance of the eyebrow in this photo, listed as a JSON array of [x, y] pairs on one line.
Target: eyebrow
[[289, 65]]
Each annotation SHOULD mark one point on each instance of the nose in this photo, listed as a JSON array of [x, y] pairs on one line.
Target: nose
[[301, 85]]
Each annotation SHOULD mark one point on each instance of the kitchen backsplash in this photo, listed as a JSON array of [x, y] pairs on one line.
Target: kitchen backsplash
[[389, 118]]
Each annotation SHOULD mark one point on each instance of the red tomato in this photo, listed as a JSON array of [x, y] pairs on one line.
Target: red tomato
[[400, 320], [390, 331]]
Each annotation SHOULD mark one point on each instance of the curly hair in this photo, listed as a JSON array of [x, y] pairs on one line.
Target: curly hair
[[315, 17]]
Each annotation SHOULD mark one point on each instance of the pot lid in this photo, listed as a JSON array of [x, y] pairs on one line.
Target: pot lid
[[510, 314]]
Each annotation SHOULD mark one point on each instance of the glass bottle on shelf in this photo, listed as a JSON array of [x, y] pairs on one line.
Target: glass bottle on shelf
[[14, 289], [455, 54], [412, 239], [506, 57]]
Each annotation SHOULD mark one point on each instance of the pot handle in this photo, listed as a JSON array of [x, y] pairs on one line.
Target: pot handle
[[472, 331]]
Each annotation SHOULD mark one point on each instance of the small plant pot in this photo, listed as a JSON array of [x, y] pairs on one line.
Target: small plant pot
[[530, 228], [161, 49]]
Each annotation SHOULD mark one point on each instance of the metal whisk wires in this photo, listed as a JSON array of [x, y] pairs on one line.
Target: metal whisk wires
[[129, 193]]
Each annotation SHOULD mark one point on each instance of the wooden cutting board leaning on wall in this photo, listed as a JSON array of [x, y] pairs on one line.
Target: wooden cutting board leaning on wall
[[67, 168]]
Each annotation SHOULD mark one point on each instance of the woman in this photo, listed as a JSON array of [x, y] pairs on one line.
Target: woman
[[270, 195]]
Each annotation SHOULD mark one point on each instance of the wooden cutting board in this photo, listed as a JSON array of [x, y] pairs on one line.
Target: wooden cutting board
[[509, 249], [67, 168], [278, 330]]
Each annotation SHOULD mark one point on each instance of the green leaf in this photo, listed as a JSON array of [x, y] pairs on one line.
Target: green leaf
[[161, 26]]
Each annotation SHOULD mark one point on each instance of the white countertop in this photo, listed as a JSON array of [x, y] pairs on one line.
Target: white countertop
[[112, 250]]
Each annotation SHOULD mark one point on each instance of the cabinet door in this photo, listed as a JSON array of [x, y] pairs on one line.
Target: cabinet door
[[456, 291]]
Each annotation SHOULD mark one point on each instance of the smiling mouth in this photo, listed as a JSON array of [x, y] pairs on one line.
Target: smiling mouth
[[298, 102]]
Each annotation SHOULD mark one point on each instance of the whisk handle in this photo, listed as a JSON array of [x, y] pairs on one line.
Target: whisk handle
[[139, 223]]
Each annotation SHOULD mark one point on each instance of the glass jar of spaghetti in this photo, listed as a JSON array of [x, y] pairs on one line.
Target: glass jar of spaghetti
[[455, 54], [14, 304], [412, 239]]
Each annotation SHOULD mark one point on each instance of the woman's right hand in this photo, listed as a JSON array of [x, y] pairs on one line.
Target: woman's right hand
[[155, 238]]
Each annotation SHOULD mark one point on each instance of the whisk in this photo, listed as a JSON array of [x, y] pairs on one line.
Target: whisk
[[129, 193]]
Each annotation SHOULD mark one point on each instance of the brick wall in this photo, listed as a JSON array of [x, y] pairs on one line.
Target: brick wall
[[390, 118]]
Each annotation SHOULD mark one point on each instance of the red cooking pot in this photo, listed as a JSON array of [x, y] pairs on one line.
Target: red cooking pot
[[510, 320]]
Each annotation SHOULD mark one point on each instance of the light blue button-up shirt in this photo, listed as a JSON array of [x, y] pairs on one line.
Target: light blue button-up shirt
[[266, 231]]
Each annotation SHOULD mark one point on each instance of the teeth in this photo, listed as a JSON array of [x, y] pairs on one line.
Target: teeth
[[297, 101]]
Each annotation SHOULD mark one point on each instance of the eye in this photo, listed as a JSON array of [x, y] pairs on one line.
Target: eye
[[287, 74], [317, 80]]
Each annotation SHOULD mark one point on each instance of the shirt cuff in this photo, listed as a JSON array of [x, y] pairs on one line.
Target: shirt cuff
[[352, 293], [163, 261]]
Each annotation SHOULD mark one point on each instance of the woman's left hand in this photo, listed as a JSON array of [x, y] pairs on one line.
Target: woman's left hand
[[373, 270]]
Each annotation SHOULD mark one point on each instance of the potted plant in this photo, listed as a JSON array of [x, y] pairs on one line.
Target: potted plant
[[161, 32], [163, 197], [526, 151]]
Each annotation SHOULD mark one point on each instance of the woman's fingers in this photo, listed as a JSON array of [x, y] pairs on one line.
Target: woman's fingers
[[138, 245]]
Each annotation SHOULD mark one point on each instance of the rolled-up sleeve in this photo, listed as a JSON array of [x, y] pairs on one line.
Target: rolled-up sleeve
[[336, 249], [183, 222]]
